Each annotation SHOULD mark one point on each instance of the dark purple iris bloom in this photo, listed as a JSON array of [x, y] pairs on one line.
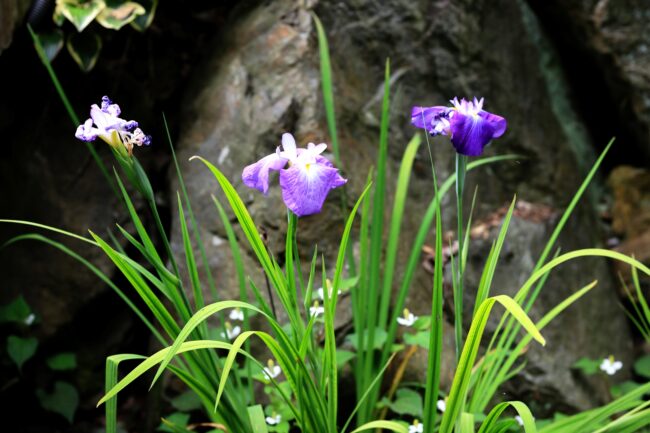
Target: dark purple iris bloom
[[305, 183], [466, 123], [118, 133]]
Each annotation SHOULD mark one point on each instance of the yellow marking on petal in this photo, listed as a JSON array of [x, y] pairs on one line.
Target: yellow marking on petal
[[406, 313]]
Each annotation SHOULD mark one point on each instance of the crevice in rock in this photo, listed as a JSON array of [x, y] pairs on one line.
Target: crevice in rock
[[597, 93]]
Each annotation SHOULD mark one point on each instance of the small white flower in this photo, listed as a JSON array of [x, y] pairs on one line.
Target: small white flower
[[316, 310], [321, 293], [610, 365], [441, 405], [271, 371], [236, 314], [274, 420], [231, 331], [408, 319], [29, 319], [416, 427], [519, 420]]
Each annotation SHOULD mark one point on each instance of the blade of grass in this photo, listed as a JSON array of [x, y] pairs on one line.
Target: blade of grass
[[432, 389], [460, 383], [112, 363], [376, 245], [258, 420], [195, 227], [395, 226]]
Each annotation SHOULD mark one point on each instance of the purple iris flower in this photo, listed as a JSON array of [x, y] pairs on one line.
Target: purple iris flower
[[119, 133], [466, 123], [305, 183]]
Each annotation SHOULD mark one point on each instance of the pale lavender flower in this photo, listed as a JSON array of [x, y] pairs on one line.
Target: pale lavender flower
[[306, 181], [272, 370], [416, 427], [321, 293], [407, 319], [29, 320], [469, 126], [236, 314], [231, 331], [106, 124], [610, 365], [274, 419], [316, 310]]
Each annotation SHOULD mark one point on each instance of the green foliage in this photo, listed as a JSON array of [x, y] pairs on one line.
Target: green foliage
[[63, 400], [186, 402], [174, 423], [84, 45], [640, 312], [258, 420], [588, 366], [407, 402], [17, 311], [84, 48], [642, 367], [21, 349], [62, 361]]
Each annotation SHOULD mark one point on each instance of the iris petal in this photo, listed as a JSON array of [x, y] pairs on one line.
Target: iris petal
[[470, 134], [425, 117], [257, 175], [304, 189], [86, 132], [289, 147]]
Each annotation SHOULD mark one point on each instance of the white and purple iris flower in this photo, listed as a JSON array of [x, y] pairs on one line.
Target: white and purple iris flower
[[305, 182], [469, 126], [106, 124]]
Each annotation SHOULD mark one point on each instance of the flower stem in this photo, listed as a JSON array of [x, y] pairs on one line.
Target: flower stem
[[461, 169]]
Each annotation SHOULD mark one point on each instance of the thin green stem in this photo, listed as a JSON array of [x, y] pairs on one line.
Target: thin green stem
[[68, 107], [461, 169]]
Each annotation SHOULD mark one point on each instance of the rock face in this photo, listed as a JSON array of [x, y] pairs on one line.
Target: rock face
[[263, 80], [609, 43], [11, 14]]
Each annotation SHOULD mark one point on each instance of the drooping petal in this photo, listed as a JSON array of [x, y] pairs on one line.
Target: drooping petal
[[338, 180], [257, 175], [429, 118], [471, 133], [304, 188], [499, 123]]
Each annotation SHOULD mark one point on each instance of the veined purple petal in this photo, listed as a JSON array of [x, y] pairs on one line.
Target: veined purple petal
[[498, 123], [429, 118], [86, 132], [257, 175], [304, 189], [109, 107], [470, 134], [321, 160]]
